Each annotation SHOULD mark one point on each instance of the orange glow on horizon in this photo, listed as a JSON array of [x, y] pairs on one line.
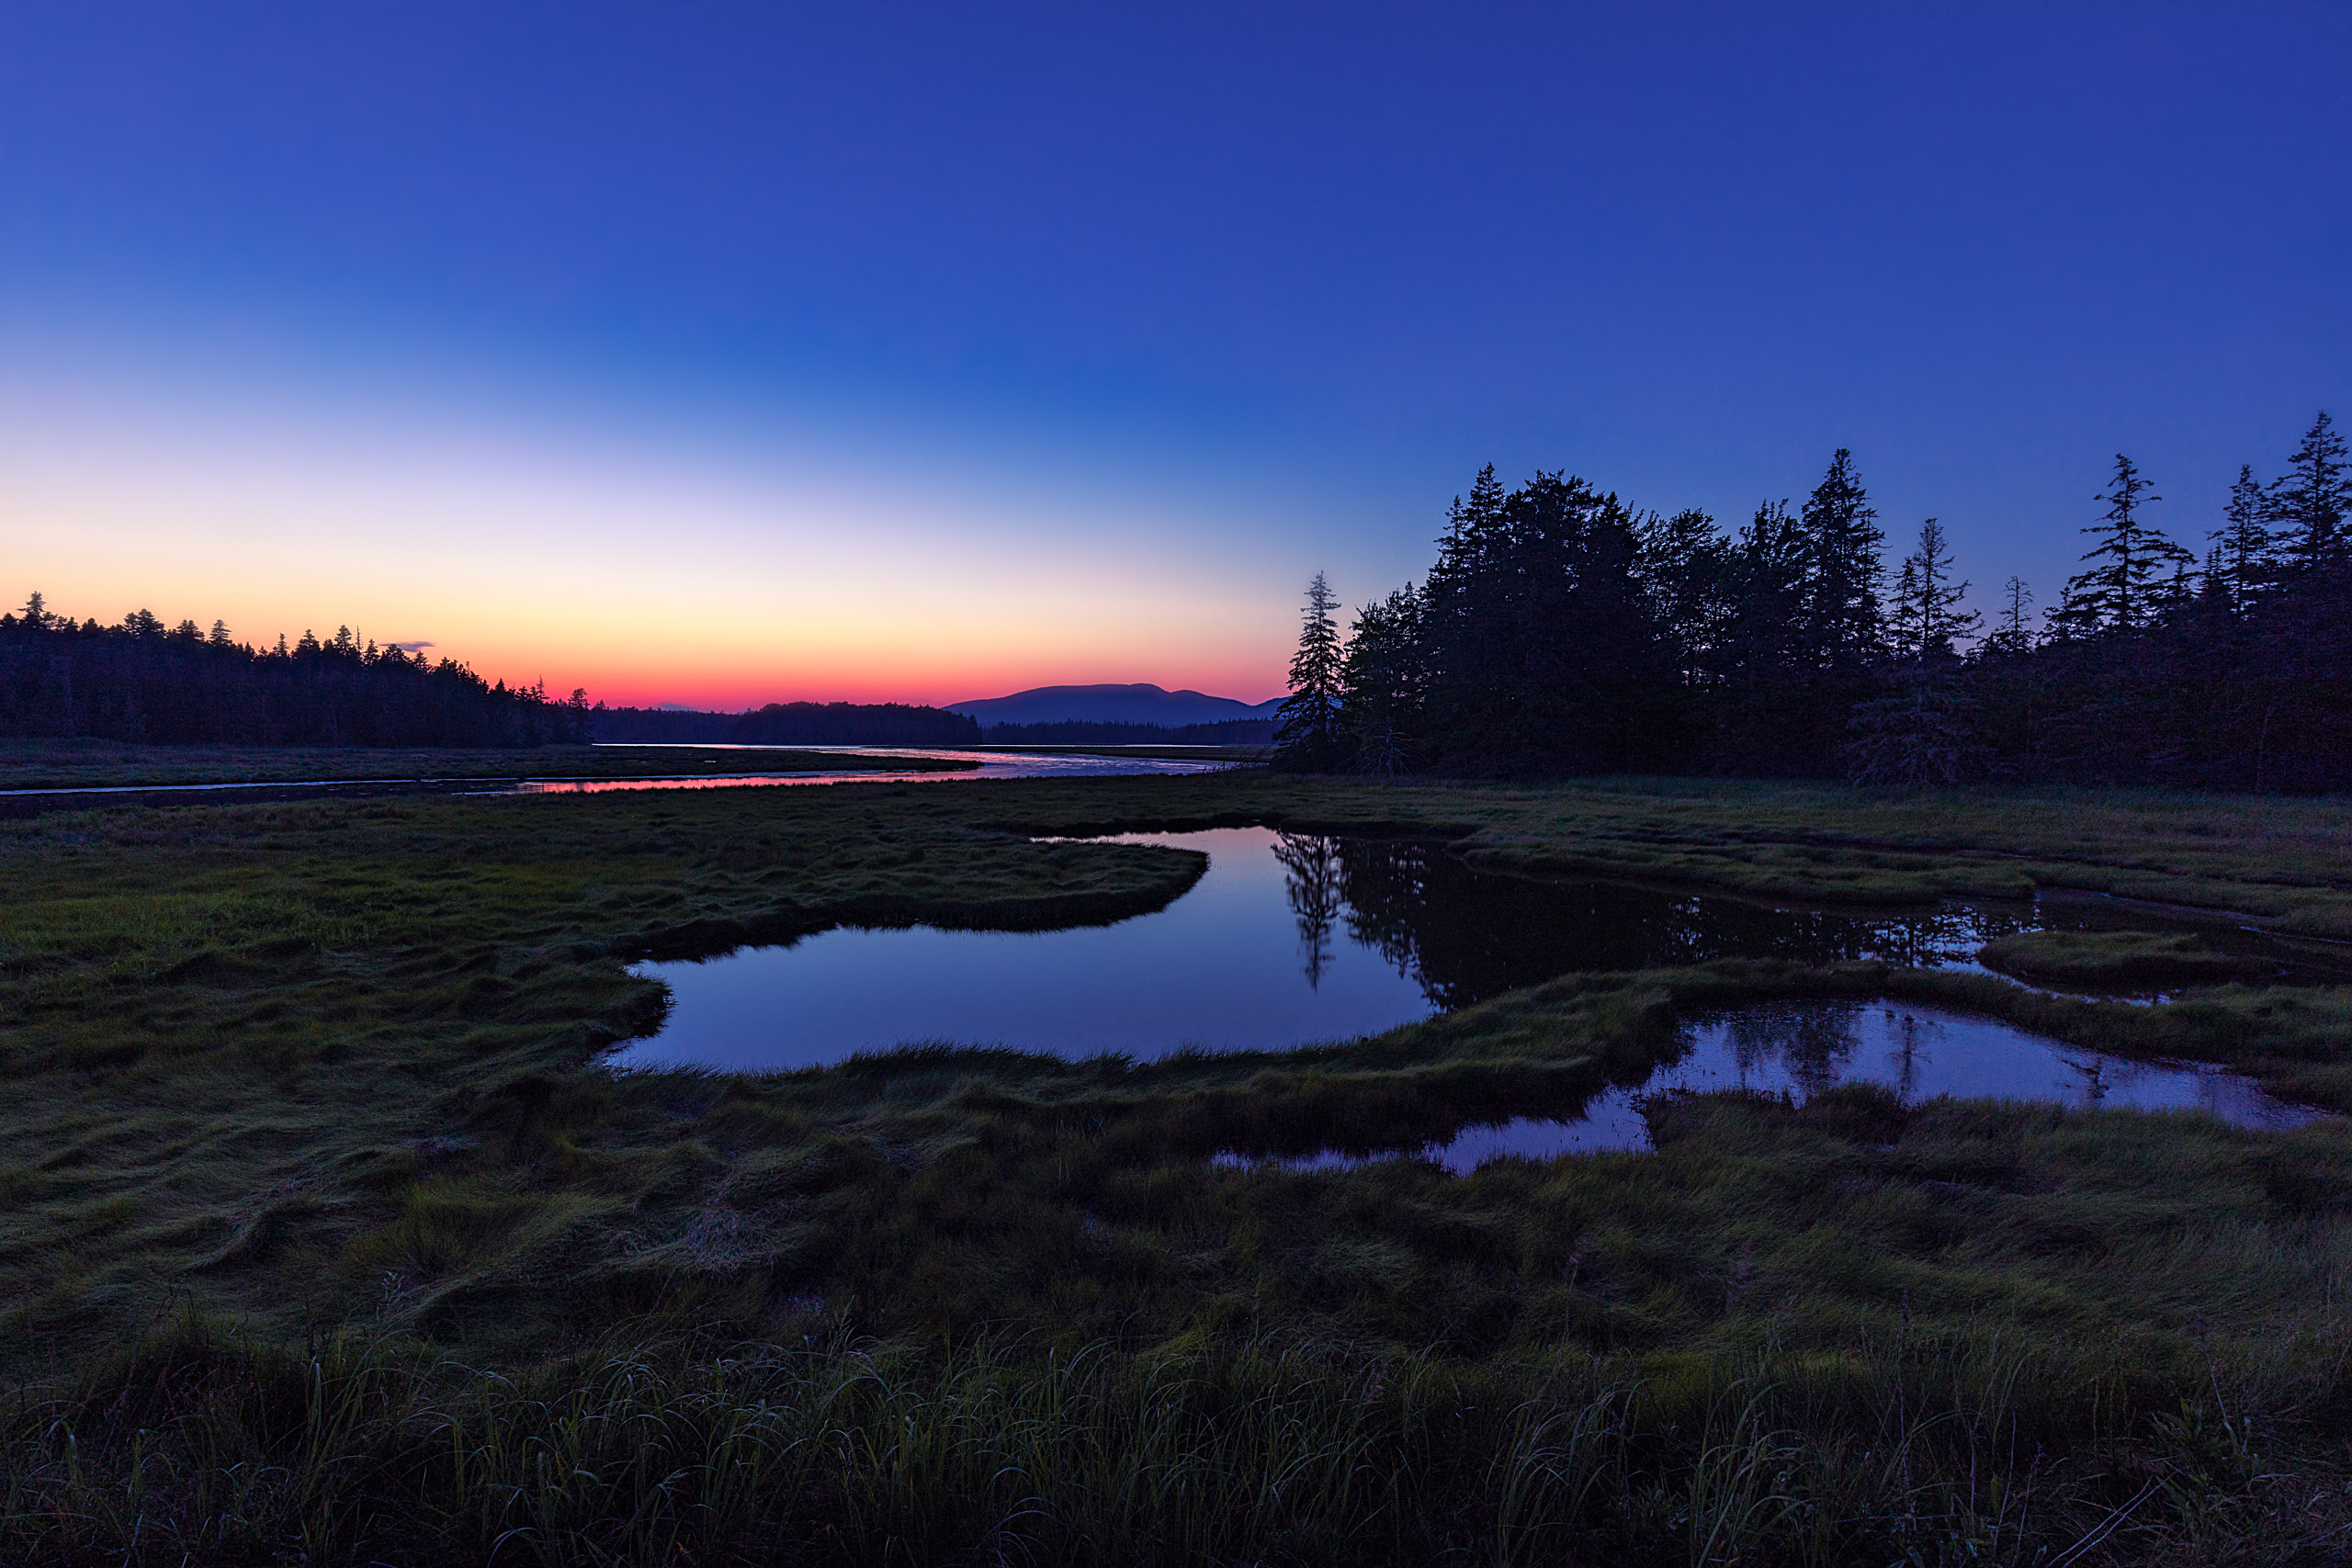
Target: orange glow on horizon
[[644, 574], [723, 612]]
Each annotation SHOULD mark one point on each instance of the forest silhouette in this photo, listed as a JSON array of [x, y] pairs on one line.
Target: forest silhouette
[[142, 682], [1561, 632]]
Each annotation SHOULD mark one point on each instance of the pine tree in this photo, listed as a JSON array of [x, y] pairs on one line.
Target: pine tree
[[2310, 503], [2011, 634], [2123, 593], [1380, 717], [1684, 565], [1765, 640], [1928, 619], [1466, 597], [1842, 591], [1306, 725], [2245, 554], [1902, 639], [36, 612]]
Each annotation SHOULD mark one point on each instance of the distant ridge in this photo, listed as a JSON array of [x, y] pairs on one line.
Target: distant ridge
[[1141, 703]]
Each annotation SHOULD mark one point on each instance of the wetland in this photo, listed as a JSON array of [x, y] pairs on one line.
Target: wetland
[[326, 1224]]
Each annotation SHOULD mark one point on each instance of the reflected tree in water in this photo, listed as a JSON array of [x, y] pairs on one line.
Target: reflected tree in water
[[1463, 935], [1312, 876], [1811, 1044], [1911, 1035]]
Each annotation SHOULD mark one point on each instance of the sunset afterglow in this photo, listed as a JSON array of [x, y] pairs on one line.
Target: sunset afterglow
[[717, 356]]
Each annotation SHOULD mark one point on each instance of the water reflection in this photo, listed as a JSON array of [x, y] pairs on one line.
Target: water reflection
[[1463, 935], [16, 803], [1290, 938], [1311, 868], [1800, 1049]]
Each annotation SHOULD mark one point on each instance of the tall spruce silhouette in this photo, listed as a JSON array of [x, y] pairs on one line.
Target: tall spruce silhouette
[[2310, 501], [2118, 593], [1307, 727], [2246, 562], [1842, 612]]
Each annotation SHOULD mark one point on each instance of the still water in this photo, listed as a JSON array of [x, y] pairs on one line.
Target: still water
[[16, 803], [988, 765], [1293, 938], [1798, 1050], [1289, 938]]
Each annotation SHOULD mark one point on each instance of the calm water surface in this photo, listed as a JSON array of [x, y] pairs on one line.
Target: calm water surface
[[1289, 938], [1294, 938], [15, 803], [1800, 1049]]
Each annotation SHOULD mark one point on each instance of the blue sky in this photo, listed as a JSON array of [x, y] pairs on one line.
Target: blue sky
[[727, 352]]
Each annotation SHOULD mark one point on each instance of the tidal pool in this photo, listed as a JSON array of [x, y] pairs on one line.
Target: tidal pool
[[1289, 938], [1294, 938], [1800, 1049]]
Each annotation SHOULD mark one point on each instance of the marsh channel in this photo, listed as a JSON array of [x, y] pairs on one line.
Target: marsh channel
[[1296, 938], [888, 764]]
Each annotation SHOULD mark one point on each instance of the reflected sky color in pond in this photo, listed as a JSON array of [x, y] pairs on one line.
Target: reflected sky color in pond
[[1800, 1049], [1289, 938], [18, 802], [1222, 967], [1294, 938], [990, 765]]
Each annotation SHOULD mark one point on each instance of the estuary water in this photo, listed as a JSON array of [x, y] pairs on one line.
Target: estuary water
[[15, 803], [1798, 1050], [1296, 938]]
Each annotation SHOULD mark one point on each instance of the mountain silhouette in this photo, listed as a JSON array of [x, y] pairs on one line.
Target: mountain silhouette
[[1142, 703]]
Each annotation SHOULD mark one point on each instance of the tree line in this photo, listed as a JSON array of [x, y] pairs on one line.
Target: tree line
[[1560, 631], [789, 723], [144, 681]]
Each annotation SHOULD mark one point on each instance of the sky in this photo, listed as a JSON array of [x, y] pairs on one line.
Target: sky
[[721, 353]]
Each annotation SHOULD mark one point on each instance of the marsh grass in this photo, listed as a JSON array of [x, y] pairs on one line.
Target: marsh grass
[[2116, 961], [325, 1073], [201, 1446]]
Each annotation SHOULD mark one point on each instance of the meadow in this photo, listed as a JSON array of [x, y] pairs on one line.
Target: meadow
[[324, 1238]]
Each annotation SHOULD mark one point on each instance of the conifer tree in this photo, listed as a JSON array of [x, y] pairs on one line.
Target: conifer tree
[[2121, 592], [1306, 725], [1928, 619], [2010, 634], [2310, 503], [1380, 717], [1770, 564], [1842, 591], [2245, 554], [1684, 565]]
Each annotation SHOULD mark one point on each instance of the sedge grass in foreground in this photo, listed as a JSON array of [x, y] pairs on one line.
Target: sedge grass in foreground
[[1915, 1449], [325, 1075]]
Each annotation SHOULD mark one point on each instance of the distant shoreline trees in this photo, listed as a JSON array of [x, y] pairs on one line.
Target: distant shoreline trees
[[1559, 632], [142, 682], [788, 724]]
